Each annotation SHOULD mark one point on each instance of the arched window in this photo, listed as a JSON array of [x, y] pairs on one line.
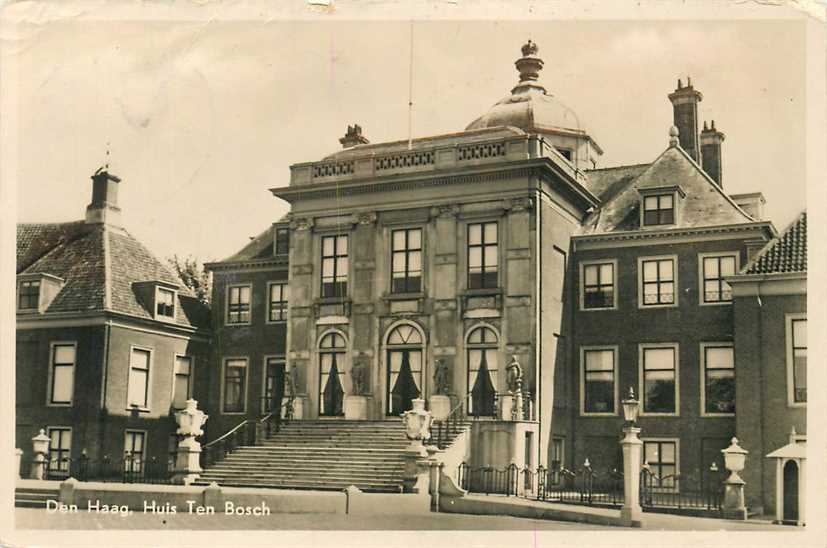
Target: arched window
[[483, 362], [404, 365], [332, 350]]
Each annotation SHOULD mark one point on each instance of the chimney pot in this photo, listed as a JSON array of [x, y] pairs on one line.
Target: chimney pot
[[685, 101], [353, 137]]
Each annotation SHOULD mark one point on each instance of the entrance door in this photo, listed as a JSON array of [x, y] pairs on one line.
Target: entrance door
[[791, 492], [404, 369], [274, 386], [331, 393]]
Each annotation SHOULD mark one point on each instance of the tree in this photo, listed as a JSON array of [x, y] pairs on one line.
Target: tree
[[193, 275]]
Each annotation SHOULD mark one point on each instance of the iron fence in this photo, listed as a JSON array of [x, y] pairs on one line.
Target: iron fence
[[129, 469], [699, 495]]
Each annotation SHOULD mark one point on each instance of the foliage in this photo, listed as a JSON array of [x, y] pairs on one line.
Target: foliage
[[193, 275]]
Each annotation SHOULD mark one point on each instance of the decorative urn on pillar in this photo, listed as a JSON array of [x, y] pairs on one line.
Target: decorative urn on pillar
[[417, 423], [40, 446], [190, 421], [735, 458]]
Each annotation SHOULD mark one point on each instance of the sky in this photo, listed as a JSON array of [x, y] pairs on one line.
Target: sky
[[201, 119]]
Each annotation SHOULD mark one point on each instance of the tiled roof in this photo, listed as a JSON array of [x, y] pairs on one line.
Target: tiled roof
[[259, 247], [705, 204], [785, 254], [77, 253]]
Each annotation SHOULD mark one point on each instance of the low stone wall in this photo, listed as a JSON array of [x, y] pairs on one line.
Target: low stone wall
[[121, 498]]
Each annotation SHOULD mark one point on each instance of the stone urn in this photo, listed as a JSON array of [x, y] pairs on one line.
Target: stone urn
[[417, 423], [187, 462]]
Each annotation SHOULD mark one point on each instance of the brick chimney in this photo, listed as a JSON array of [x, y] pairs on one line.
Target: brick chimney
[[685, 101], [353, 137], [711, 140], [104, 206]]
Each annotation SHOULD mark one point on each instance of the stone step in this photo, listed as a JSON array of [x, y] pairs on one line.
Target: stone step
[[321, 463], [308, 469], [330, 486], [270, 479]]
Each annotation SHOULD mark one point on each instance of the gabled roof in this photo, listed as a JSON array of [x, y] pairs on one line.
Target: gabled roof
[[705, 203], [259, 247], [99, 265], [785, 254]]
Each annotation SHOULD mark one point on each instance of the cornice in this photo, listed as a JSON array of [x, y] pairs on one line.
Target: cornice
[[631, 235], [87, 319], [272, 263]]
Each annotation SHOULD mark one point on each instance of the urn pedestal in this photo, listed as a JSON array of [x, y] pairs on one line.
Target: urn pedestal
[[188, 454], [356, 407], [440, 407]]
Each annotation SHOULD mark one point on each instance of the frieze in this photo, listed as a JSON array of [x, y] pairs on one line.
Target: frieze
[[301, 223], [363, 218], [520, 204]]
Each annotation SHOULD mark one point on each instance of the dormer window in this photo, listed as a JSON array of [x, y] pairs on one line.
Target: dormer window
[[28, 295], [660, 206], [165, 304], [659, 210]]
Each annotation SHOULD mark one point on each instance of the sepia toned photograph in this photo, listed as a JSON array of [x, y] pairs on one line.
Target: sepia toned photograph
[[324, 272]]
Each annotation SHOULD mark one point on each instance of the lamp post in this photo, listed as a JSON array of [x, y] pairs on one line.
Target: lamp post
[[735, 458], [631, 512]]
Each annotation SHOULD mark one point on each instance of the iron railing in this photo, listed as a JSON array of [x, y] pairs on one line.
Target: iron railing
[[129, 469], [444, 431]]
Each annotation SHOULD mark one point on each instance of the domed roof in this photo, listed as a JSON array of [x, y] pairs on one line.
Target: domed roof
[[530, 107]]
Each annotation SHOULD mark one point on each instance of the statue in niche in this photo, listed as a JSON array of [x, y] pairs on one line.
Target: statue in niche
[[359, 377], [441, 384], [514, 376]]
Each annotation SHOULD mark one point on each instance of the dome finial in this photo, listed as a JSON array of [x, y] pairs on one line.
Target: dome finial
[[529, 67], [673, 136]]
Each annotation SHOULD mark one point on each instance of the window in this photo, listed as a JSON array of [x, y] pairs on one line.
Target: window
[[599, 390], [273, 384], [598, 285], [659, 210], [658, 281], [60, 449], [282, 241], [138, 390], [483, 354], [165, 303], [63, 373], [334, 266], [662, 458], [28, 295], [331, 391], [277, 308], [134, 451], [238, 304], [797, 359], [235, 381], [482, 255], [659, 367], [407, 261], [182, 383], [714, 270], [565, 153], [718, 392]]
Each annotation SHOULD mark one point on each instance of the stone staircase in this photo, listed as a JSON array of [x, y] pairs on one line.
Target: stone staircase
[[319, 454], [34, 497]]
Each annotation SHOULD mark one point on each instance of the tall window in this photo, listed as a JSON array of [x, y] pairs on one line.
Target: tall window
[[659, 367], [482, 255], [715, 269], [599, 380], [407, 260], [277, 307], [658, 281], [483, 363], [238, 304], [658, 210], [28, 295], [334, 266], [182, 384], [719, 379], [63, 373], [662, 457], [60, 448], [134, 451], [282, 241], [598, 285], [235, 380], [331, 360], [165, 303], [404, 368], [273, 384], [798, 358], [138, 392]]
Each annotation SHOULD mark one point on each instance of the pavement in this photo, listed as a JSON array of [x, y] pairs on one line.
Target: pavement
[[34, 518]]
